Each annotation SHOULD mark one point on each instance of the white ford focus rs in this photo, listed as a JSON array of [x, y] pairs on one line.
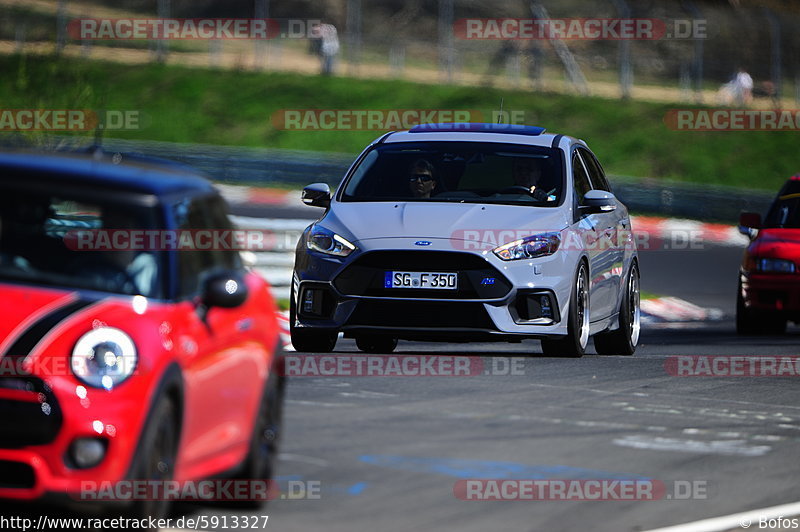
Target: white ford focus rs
[[469, 232]]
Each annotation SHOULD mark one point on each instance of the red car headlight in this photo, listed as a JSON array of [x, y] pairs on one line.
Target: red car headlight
[[767, 265], [104, 357]]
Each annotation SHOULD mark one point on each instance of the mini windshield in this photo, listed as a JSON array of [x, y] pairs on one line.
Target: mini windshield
[[465, 172]]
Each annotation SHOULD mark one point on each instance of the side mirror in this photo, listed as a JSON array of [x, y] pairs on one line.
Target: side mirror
[[749, 223], [224, 290], [596, 201], [751, 220], [317, 195]]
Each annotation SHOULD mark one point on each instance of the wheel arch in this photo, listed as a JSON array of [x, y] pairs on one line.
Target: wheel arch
[[170, 385]]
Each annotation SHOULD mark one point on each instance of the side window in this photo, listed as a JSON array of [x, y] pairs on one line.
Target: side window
[[595, 170], [192, 263], [227, 259], [580, 179]]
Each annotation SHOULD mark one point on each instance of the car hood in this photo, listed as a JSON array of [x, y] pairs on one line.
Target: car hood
[[777, 242], [24, 306], [494, 224], [35, 318], [779, 235]]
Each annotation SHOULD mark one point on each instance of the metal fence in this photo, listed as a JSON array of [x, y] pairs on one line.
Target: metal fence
[[413, 39]]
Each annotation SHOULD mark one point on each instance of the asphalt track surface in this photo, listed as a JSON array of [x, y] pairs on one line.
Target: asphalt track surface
[[387, 452]]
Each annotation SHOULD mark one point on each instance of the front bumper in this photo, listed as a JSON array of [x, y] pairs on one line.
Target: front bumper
[[35, 457], [772, 293], [494, 299]]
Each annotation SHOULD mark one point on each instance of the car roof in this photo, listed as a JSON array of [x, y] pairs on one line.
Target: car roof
[[135, 175], [478, 132]]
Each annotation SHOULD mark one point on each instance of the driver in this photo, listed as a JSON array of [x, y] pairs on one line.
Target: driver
[[421, 179], [128, 270]]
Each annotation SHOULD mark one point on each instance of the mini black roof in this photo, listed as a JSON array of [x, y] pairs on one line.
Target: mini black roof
[[134, 175]]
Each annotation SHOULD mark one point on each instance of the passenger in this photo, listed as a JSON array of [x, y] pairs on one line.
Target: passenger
[[527, 173]]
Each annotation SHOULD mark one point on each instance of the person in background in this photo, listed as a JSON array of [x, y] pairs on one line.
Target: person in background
[[743, 86], [324, 42], [315, 40]]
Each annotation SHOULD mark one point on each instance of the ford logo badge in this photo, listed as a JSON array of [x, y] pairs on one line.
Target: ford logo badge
[[423, 243]]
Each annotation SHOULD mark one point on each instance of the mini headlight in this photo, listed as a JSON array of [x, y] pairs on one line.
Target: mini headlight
[[328, 242], [775, 266], [104, 357], [530, 247]]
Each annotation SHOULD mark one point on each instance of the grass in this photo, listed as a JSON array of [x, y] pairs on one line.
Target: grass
[[229, 107]]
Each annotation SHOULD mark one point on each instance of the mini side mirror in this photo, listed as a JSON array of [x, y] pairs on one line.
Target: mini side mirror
[[224, 290]]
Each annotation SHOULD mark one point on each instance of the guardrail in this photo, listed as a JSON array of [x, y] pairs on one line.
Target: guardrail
[[262, 166], [267, 166]]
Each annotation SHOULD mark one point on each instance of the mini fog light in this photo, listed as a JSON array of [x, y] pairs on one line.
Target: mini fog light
[[87, 452]]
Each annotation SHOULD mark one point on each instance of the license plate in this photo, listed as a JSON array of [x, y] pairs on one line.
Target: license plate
[[434, 280]]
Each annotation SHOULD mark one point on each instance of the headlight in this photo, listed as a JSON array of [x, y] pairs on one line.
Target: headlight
[[328, 242], [530, 247], [774, 266], [104, 357]]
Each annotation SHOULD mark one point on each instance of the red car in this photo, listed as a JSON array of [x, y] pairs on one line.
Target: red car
[[126, 355], [769, 278]]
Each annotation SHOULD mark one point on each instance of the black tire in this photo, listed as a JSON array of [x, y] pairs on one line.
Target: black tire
[[265, 440], [155, 458], [307, 340], [376, 344], [623, 340], [751, 322], [313, 341], [573, 345]]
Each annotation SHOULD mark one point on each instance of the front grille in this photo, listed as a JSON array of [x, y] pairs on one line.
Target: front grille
[[477, 279], [16, 475], [29, 411], [420, 315]]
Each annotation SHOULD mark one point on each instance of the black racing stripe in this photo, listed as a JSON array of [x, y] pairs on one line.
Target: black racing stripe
[[25, 343], [556, 141]]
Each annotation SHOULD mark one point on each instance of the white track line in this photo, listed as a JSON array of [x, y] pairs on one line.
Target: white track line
[[741, 520]]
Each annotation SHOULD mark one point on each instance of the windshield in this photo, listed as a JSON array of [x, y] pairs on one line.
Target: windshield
[[785, 211], [42, 237], [466, 172]]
